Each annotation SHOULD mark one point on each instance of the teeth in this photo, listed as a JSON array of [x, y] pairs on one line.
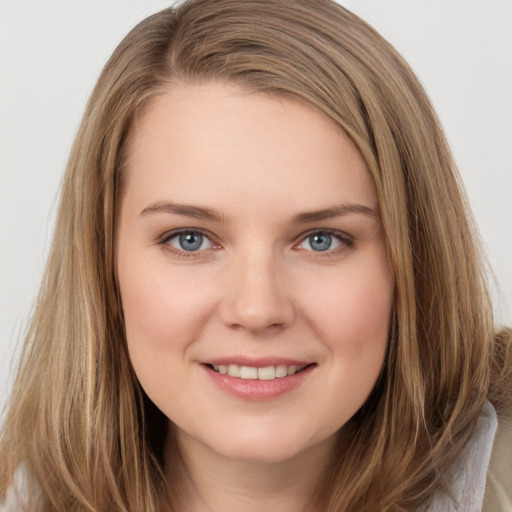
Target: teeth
[[252, 373], [233, 370], [281, 371], [247, 372], [292, 369], [267, 373]]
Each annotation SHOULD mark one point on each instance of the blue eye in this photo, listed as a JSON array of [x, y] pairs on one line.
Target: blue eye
[[189, 241], [322, 241]]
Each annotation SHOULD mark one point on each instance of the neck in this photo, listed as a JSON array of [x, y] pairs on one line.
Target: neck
[[205, 481]]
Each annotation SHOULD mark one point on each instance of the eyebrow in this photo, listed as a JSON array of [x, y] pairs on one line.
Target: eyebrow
[[195, 212], [198, 212], [335, 211]]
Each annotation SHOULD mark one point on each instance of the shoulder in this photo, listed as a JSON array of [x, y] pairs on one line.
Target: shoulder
[[498, 491]]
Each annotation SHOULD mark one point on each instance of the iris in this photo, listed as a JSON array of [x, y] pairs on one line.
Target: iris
[[320, 241]]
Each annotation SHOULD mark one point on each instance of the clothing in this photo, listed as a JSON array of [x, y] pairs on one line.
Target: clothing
[[498, 492], [466, 478], [480, 480], [14, 493]]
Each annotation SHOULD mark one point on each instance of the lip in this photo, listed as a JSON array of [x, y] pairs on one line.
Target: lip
[[253, 389]]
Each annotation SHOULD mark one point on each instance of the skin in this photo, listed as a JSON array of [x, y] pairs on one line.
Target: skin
[[256, 287]]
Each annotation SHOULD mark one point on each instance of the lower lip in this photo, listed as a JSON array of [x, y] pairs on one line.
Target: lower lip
[[254, 389]]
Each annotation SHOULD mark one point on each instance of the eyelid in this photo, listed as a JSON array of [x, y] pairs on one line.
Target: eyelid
[[346, 241], [164, 239]]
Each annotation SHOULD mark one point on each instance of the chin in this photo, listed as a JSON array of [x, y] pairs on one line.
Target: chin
[[264, 444]]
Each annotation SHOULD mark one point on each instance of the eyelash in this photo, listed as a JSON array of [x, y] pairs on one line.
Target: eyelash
[[346, 242], [183, 254]]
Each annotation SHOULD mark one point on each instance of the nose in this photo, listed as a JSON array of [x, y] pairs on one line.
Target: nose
[[256, 297]]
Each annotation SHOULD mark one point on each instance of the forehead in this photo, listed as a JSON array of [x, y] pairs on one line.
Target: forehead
[[195, 139]]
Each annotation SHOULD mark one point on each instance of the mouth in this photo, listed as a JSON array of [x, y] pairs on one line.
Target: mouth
[[258, 380], [265, 373]]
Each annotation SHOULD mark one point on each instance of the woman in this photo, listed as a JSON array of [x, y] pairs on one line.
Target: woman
[[264, 290]]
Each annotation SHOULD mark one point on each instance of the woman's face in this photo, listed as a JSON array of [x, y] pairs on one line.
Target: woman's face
[[250, 243]]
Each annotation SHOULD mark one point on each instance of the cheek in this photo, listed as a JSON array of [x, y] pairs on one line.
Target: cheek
[[159, 305], [351, 314], [353, 321], [353, 310], [164, 314]]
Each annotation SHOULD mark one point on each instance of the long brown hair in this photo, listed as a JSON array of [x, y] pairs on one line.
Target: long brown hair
[[79, 424]]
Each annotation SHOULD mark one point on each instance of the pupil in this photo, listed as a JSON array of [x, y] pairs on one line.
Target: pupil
[[320, 241], [191, 241]]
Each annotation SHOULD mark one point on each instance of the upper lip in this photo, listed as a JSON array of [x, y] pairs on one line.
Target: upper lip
[[257, 362]]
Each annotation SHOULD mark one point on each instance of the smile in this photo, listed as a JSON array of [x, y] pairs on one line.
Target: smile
[[257, 380], [254, 373]]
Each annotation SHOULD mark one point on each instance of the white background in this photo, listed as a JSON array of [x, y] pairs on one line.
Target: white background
[[51, 53]]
